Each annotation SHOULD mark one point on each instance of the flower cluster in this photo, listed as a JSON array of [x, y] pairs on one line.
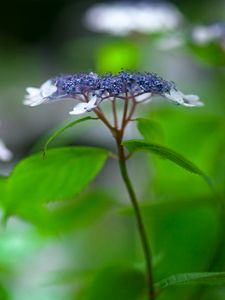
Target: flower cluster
[[122, 18], [91, 89]]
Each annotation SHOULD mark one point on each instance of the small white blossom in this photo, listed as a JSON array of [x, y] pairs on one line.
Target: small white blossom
[[81, 108], [182, 99], [5, 153], [36, 96]]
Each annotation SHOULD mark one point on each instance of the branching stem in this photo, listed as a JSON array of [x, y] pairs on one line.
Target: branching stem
[[118, 134]]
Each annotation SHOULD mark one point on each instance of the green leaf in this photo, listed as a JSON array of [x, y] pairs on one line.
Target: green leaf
[[164, 152], [63, 175], [83, 211], [151, 130], [192, 278], [59, 131], [79, 213], [118, 283], [4, 293]]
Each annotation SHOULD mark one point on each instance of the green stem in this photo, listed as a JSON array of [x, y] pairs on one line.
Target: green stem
[[140, 224], [118, 135]]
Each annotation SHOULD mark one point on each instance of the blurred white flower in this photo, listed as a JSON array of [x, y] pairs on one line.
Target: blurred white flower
[[122, 18], [203, 35], [5, 153], [37, 96]]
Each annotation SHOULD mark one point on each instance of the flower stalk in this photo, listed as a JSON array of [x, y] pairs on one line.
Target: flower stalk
[[118, 134], [139, 220]]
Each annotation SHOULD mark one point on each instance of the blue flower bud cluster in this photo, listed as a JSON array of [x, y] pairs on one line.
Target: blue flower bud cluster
[[109, 85]]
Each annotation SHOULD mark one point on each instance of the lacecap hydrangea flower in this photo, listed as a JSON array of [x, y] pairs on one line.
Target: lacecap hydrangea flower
[[132, 88], [122, 18], [91, 90]]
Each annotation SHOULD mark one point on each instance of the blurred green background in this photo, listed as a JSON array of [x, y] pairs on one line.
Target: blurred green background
[[91, 250]]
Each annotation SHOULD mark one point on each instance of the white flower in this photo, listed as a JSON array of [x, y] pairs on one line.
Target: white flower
[[81, 108], [123, 18], [203, 35], [37, 96], [182, 99], [5, 153]]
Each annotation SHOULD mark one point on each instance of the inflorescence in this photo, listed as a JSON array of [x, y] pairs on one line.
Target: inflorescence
[[91, 89]]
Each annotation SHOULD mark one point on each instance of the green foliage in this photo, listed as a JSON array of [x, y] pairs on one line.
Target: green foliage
[[79, 213], [63, 175], [59, 131], [192, 278], [4, 295], [212, 53], [118, 283], [164, 152], [151, 130]]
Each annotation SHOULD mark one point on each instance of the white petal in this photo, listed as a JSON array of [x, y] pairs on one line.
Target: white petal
[[33, 91], [79, 109], [33, 101], [47, 89], [182, 99], [192, 100], [37, 96], [192, 97], [143, 97], [175, 96], [5, 153], [92, 103]]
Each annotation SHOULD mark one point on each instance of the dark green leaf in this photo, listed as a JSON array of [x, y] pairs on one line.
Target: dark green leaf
[[118, 283], [151, 130], [59, 131], [192, 278], [63, 175], [164, 152], [4, 293]]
